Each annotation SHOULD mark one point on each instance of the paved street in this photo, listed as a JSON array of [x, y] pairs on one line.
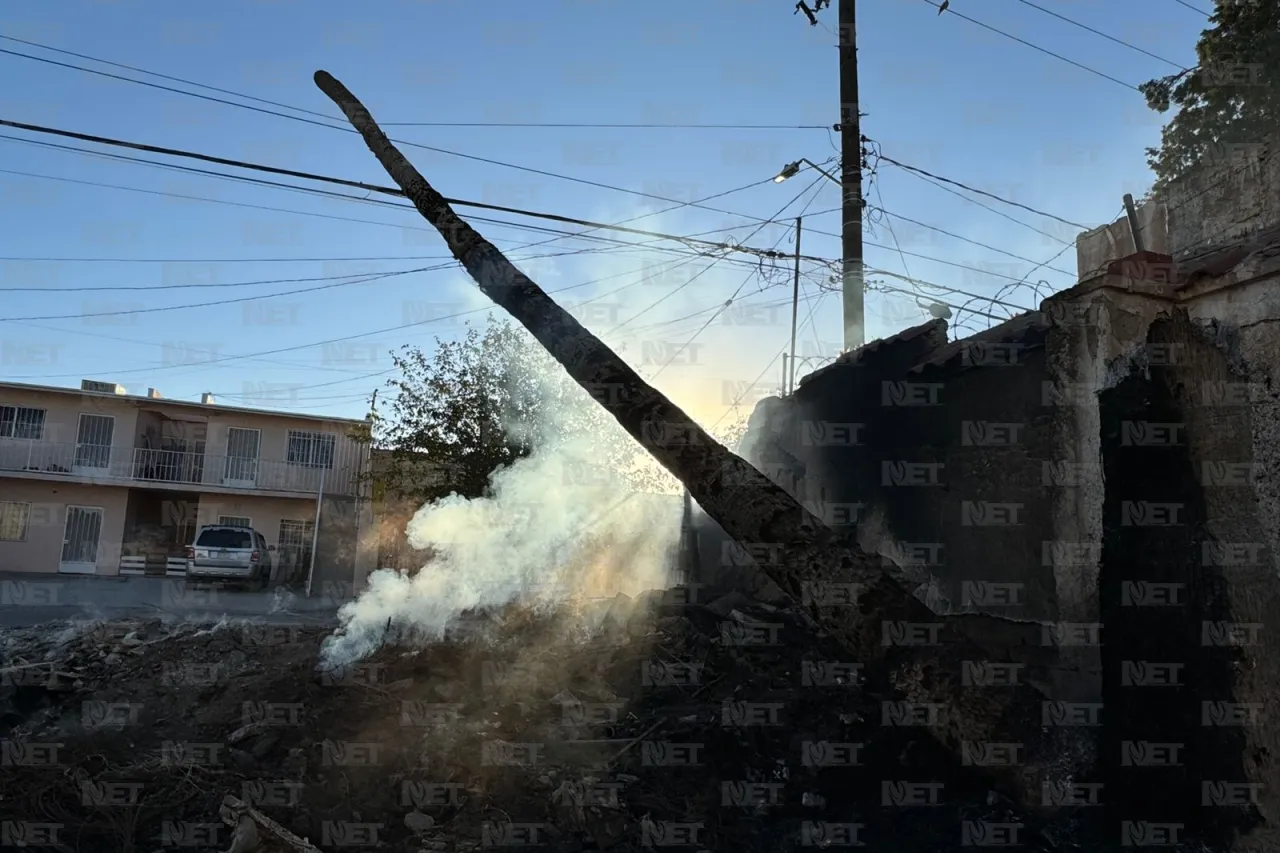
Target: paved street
[[28, 600]]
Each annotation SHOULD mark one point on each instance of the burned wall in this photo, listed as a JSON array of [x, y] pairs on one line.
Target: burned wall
[[1223, 388], [934, 459], [1153, 596], [961, 483]]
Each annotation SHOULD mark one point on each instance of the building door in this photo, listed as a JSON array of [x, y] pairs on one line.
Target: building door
[[80, 540], [93, 444], [242, 457], [293, 548], [179, 517]]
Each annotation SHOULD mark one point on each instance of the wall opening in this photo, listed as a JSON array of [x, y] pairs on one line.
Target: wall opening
[[1154, 595]]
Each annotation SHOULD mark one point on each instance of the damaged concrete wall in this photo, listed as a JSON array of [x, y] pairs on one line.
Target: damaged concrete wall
[[1104, 244], [932, 456], [944, 459], [1222, 203], [1167, 575], [1232, 415], [1233, 197]]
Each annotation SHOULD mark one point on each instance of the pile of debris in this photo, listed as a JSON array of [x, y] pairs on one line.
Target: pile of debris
[[645, 723]]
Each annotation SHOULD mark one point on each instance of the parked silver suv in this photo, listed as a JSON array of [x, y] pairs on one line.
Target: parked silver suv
[[227, 553]]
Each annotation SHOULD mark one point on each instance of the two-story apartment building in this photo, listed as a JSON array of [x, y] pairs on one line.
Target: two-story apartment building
[[97, 481]]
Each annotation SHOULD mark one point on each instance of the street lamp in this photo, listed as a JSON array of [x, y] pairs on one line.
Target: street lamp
[[792, 169], [852, 278]]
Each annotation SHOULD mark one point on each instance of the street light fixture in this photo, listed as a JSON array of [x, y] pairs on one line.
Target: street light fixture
[[852, 278], [792, 169]]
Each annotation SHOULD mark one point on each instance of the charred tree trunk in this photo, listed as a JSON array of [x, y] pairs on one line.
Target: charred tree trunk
[[881, 623]]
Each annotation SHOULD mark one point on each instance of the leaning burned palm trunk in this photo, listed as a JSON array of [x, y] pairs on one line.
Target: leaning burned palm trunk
[[717, 479], [879, 621]]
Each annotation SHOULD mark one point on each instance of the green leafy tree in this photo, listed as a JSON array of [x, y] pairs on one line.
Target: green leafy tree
[[479, 403], [1229, 101]]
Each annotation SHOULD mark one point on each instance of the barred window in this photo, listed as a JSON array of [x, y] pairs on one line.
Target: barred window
[[13, 521], [21, 422], [311, 449]]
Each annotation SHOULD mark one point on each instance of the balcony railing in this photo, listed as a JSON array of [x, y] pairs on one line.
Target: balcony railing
[[103, 463]]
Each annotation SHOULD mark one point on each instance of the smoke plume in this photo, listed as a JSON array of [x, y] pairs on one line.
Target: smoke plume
[[561, 523]]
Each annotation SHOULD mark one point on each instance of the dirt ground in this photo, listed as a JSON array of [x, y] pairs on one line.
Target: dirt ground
[[632, 726]]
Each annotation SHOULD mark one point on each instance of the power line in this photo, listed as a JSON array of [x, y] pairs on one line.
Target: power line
[[814, 302], [708, 267], [734, 295], [1037, 47], [396, 191], [726, 246], [1027, 208], [216, 302], [966, 239], [392, 191], [695, 255], [397, 328], [583, 235], [135, 342], [364, 200], [347, 129], [1104, 35], [315, 214], [889, 225], [947, 289], [155, 74], [646, 278], [329, 194], [427, 147], [651, 326], [273, 281], [692, 255], [585, 302], [50, 260], [384, 372], [892, 289], [988, 207], [734, 405], [637, 126], [451, 263], [141, 287], [1194, 9], [943, 261]]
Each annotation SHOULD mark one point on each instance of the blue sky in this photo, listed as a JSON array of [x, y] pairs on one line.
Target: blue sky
[[942, 94]]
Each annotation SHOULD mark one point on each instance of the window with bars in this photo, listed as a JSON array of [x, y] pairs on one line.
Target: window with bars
[[234, 521], [21, 422], [295, 534], [311, 449], [14, 516]]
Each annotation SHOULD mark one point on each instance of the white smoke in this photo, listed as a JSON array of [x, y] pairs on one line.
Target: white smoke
[[561, 523]]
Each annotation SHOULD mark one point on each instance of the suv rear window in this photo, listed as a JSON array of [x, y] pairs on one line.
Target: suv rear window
[[225, 537]]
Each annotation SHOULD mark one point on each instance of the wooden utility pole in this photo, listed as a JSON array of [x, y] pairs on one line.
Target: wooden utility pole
[[851, 180]]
